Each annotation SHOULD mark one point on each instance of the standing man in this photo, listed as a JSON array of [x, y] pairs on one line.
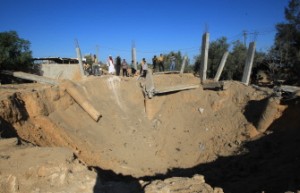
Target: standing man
[[118, 65], [95, 66], [124, 68], [133, 70], [173, 62], [161, 63], [144, 67], [154, 62]]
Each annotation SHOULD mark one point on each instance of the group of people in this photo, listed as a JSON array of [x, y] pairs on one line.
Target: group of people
[[160, 62], [114, 67], [93, 69]]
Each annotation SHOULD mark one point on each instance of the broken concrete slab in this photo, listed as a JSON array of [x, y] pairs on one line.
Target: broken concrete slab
[[213, 85], [166, 72], [176, 88], [32, 77]]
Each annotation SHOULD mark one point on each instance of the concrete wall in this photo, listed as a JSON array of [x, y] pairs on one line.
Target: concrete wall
[[61, 71]]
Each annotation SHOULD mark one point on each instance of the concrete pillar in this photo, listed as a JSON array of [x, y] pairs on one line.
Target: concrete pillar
[[32, 77], [133, 54], [204, 56], [150, 88], [249, 63], [183, 64], [84, 102], [269, 115], [79, 56], [221, 66]]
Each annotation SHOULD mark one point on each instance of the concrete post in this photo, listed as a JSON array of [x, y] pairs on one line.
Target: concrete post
[[133, 54], [84, 102], [150, 88], [249, 63], [269, 114], [78, 52], [204, 56], [32, 77], [183, 64], [221, 66]]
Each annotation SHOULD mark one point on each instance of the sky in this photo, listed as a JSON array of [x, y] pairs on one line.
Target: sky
[[111, 27]]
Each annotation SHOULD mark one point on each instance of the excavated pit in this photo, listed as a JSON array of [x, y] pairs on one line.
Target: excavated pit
[[179, 134]]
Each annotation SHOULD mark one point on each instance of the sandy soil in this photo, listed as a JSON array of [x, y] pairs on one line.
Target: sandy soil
[[163, 144]]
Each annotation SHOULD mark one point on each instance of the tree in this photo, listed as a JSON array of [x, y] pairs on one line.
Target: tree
[[215, 53], [216, 50], [89, 59], [179, 59], [15, 54], [234, 66], [287, 40]]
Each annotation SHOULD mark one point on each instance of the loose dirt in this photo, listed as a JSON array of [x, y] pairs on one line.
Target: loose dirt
[[176, 142]]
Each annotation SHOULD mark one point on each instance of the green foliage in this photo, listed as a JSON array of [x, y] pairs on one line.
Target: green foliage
[[197, 64], [286, 50], [234, 66], [287, 40], [216, 50], [15, 54], [89, 59], [167, 61], [235, 63]]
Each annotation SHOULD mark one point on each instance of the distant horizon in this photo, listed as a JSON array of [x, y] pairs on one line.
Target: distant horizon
[[154, 27]]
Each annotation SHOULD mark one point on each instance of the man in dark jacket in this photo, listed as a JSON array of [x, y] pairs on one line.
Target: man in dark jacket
[[118, 65]]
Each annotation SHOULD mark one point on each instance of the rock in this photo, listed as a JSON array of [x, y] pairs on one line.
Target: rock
[[9, 184], [251, 131], [199, 178], [180, 185], [201, 110], [4, 143], [52, 170], [218, 190]]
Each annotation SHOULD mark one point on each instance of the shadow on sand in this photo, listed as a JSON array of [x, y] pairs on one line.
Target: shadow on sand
[[110, 182], [270, 163]]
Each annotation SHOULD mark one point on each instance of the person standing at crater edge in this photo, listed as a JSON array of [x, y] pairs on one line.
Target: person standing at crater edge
[[161, 63], [124, 68], [118, 65], [110, 64], [173, 62], [144, 68], [154, 62]]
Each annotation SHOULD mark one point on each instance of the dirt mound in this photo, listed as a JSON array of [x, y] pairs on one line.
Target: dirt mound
[[25, 168], [136, 136]]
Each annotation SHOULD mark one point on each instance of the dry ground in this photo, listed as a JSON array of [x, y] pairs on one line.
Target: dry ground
[[163, 144]]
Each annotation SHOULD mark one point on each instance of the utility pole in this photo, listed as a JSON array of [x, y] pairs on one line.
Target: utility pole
[[79, 56], [204, 57], [97, 51], [255, 34], [245, 37], [249, 63], [133, 54]]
